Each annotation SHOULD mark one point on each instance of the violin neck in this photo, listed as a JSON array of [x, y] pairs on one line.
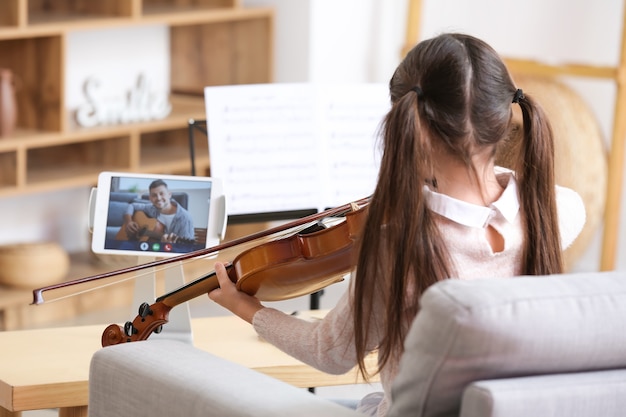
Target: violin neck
[[196, 288]]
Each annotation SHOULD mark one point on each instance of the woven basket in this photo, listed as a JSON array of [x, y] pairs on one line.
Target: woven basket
[[33, 265], [581, 159]]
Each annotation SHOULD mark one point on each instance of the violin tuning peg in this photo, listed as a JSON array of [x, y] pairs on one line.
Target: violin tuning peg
[[145, 310], [129, 329], [159, 329]]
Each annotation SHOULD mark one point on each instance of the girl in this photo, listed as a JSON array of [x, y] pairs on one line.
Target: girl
[[441, 209]]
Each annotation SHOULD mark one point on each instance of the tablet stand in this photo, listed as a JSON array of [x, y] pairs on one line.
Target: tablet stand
[[178, 326], [179, 320]]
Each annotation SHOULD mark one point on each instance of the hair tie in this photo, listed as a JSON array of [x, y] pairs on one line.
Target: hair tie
[[519, 95], [418, 91]]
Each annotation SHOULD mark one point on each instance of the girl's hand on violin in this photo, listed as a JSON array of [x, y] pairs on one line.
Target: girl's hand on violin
[[229, 297]]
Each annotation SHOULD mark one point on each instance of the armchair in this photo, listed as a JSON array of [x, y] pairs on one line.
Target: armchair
[[528, 346]]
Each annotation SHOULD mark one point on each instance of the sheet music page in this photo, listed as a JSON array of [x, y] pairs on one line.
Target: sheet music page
[[280, 147], [350, 123]]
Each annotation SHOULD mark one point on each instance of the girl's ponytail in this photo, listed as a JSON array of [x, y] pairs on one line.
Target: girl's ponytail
[[537, 193], [400, 228]]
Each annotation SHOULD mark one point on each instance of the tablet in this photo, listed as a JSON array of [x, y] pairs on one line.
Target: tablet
[[156, 215]]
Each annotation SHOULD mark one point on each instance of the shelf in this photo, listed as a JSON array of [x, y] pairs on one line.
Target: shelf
[[160, 7], [183, 108], [213, 42], [16, 313], [170, 148], [226, 53], [9, 13], [44, 10], [48, 151], [54, 163], [63, 21], [77, 156], [8, 169]]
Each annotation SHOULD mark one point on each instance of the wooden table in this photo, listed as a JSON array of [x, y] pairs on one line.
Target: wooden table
[[49, 368]]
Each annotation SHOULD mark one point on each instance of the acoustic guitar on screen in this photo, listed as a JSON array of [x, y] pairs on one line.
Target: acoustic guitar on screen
[[150, 230]]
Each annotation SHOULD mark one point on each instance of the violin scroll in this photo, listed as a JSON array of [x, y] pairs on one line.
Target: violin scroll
[[113, 335], [150, 319]]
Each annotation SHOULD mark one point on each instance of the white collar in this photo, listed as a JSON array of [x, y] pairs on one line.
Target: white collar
[[473, 215]]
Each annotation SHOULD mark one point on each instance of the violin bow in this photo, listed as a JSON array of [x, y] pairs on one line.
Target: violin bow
[[87, 282]]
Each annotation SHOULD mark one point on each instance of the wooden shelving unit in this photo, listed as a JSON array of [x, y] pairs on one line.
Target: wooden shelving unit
[[213, 42]]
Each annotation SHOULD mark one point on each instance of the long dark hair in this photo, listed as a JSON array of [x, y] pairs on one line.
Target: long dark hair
[[451, 91]]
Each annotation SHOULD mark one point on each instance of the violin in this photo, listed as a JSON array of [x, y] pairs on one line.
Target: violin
[[297, 264]]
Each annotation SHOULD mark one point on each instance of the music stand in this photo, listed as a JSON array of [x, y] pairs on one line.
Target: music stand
[[201, 126]]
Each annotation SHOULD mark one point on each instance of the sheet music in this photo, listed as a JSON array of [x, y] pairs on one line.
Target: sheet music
[[281, 147]]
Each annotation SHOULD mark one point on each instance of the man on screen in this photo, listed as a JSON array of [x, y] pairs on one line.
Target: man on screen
[[163, 220]]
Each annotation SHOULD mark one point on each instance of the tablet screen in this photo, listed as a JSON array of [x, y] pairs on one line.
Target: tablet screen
[[156, 215]]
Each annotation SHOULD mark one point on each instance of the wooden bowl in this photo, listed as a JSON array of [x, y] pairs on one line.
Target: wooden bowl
[[33, 265]]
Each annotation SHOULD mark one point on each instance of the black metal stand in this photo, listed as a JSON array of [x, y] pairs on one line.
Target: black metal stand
[[192, 126]]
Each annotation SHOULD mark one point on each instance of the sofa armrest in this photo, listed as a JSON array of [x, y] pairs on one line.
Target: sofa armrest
[[583, 394], [487, 329], [171, 378]]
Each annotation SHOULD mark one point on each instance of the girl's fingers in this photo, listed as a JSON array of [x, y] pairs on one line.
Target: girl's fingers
[[222, 276]]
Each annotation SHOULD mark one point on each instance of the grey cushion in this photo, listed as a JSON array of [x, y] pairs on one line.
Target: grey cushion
[[486, 329], [585, 394]]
